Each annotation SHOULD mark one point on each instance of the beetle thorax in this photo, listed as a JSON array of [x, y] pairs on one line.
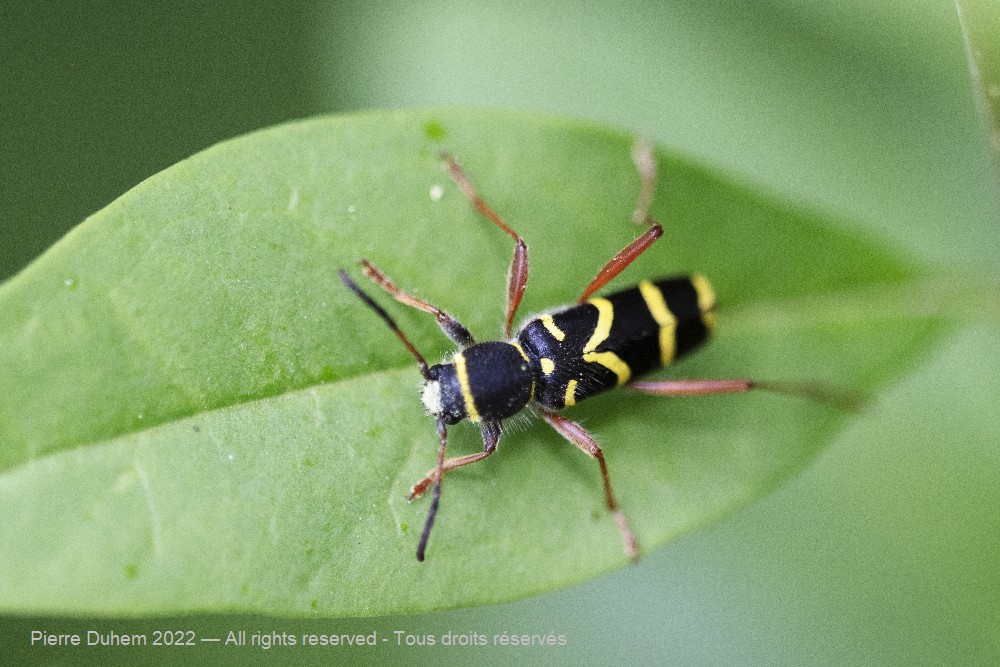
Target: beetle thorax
[[488, 381]]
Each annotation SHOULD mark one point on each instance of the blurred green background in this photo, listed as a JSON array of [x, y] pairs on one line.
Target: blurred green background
[[886, 549]]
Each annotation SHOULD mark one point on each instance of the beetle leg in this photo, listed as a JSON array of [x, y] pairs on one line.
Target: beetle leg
[[580, 437], [517, 277], [451, 327], [645, 163], [491, 436], [816, 392]]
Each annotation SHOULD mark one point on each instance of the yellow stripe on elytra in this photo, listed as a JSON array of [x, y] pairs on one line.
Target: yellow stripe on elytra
[[525, 357], [613, 363], [706, 300], [653, 297], [547, 365], [463, 382], [550, 326], [605, 316], [570, 398], [610, 360]]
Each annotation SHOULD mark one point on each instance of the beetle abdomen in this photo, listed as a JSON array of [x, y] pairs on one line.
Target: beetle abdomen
[[591, 347]]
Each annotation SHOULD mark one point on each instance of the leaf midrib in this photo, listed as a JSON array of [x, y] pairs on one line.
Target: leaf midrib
[[905, 299]]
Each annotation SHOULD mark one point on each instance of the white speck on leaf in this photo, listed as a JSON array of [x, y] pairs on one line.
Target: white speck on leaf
[[436, 192], [127, 480]]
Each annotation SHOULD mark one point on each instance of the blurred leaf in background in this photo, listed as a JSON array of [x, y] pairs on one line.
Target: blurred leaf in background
[[97, 96], [861, 108]]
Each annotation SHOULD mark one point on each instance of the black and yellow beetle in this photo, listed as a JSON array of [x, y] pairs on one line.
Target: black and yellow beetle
[[561, 357]]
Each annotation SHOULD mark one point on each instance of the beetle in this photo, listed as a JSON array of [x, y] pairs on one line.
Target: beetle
[[565, 355]]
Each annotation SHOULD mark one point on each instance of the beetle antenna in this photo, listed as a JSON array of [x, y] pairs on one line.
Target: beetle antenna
[[353, 286]]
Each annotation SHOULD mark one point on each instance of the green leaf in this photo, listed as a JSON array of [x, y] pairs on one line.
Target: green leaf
[[196, 415]]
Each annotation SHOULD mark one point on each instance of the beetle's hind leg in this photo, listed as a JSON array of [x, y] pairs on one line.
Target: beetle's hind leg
[[580, 437], [645, 164], [846, 401]]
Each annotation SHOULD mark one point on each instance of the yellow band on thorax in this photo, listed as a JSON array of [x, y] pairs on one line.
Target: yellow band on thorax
[[463, 382]]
